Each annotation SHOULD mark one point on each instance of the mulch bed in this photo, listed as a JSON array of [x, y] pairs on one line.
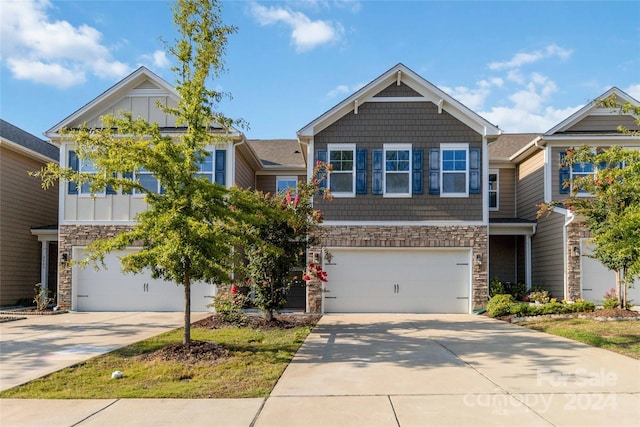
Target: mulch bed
[[32, 312], [609, 314], [10, 318], [257, 321]]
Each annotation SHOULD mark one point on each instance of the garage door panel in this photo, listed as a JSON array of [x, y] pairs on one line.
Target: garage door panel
[[405, 280], [110, 289], [596, 279]]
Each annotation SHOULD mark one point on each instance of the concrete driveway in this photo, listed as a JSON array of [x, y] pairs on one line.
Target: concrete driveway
[[461, 370], [39, 345]]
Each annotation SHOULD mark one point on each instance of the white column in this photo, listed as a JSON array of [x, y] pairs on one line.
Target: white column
[[527, 259], [44, 264]]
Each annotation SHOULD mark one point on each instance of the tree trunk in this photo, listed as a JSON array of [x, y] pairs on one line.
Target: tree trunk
[[619, 288], [268, 314], [186, 340], [623, 293]]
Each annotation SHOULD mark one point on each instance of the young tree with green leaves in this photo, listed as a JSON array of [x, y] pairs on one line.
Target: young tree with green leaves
[[612, 209], [278, 245], [189, 230]]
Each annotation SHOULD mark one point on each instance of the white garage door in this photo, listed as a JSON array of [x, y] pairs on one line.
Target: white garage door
[[397, 281], [111, 289], [596, 279]]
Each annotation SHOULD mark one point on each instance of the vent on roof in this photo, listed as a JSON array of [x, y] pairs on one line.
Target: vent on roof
[[147, 85]]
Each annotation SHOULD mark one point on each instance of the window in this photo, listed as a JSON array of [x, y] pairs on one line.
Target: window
[[147, 180], [493, 189], [87, 166], [342, 177], [455, 180], [284, 183], [205, 168], [397, 169], [582, 169]]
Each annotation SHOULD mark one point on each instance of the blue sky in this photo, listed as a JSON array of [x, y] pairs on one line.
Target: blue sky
[[524, 66]]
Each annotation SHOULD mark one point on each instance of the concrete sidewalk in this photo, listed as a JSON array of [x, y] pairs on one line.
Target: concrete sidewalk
[[398, 370]]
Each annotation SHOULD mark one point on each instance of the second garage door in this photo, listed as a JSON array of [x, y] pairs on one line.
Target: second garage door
[[112, 290], [398, 281]]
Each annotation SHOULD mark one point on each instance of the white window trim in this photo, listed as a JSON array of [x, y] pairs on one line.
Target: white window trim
[[396, 147], [495, 172], [571, 176], [81, 193], [281, 178], [454, 146], [342, 147]]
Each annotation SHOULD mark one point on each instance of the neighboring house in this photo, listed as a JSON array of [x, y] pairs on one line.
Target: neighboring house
[[560, 242], [28, 214], [408, 228], [84, 217]]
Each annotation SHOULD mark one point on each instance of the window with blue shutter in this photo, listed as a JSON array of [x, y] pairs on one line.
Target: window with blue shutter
[[221, 167], [434, 171], [72, 187], [361, 171]]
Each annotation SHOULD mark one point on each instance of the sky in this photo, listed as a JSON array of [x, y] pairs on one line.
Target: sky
[[523, 65]]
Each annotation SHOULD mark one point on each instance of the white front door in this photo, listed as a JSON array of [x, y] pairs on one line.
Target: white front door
[[398, 280], [111, 289]]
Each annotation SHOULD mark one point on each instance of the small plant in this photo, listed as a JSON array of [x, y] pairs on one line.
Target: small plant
[[500, 305], [518, 290], [41, 299], [610, 299], [541, 296], [495, 287], [228, 306]]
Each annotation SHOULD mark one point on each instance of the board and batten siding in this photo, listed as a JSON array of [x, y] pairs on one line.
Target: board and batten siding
[[23, 205], [530, 186], [547, 260], [506, 194]]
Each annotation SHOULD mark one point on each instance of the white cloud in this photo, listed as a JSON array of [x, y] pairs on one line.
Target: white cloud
[[474, 97], [157, 59], [525, 58], [514, 120], [56, 53], [305, 33], [634, 90], [342, 90]]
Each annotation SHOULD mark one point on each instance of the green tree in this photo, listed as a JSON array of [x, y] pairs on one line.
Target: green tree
[[278, 244], [189, 230], [612, 213]]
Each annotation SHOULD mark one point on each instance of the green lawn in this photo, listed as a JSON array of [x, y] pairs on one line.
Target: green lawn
[[255, 361], [619, 336]]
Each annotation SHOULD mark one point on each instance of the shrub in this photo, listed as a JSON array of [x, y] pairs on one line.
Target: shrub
[[581, 306], [500, 305], [495, 287], [523, 309], [610, 299], [553, 308], [518, 290], [228, 306]]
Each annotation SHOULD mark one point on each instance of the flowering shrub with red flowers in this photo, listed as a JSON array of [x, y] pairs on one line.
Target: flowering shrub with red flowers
[[229, 305], [315, 271], [276, 245]]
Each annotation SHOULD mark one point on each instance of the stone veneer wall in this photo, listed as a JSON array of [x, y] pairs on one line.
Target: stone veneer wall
[[575, 232], [78, 235], [474, 237]]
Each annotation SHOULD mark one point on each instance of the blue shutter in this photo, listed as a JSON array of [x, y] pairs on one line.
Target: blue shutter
[[72, 187], [127, 175], [417, 186], [110, 189], [565, 174], [434, 171], [475, 181], [361, 171], [376, 185], [220, 167], [321, 156]]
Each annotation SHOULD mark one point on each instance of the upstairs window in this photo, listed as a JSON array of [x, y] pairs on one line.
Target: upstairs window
[[87, 166], [205, 167], [454, 172], [342, 177], [493, 189], [286, 183], [582, 169], [397, 170], [147, 180]]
